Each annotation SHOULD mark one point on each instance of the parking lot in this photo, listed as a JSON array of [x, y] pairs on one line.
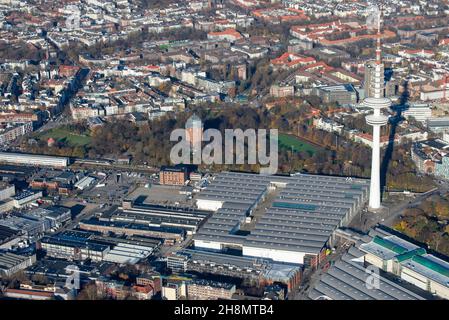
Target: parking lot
[[160, 194], [111, 187]]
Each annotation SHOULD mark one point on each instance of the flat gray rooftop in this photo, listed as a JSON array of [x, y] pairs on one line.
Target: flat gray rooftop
[[346, 280], [302, 217], [9, 260], [265, 267]]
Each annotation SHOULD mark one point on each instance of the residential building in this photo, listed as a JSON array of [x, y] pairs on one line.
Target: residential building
[[209, 290], [282, 91], [11, 133], [174, 290]]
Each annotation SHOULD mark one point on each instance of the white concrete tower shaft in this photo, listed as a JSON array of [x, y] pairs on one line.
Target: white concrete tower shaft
[[376, 120]]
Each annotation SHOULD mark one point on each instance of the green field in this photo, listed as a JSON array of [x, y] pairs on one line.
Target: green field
[[289, 142], [72, 139]]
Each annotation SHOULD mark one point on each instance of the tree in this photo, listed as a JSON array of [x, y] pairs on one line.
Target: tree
[[89, 292]]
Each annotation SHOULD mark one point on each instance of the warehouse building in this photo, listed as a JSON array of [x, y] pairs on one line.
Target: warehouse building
[[34, 159], [55, 215], [438, 125], [60, 270], [300, 214], [11, 263], [8, 237], [30, 227], [84, 183], [130, 229], [73, 245], [125, 253], [25, 198], [421, 112], [408, 261], [6, 191], [189, 219], [348, 279], [258, 271], [28, 294]]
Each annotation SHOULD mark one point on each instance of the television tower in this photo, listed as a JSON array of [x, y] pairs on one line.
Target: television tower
[[376, 120]]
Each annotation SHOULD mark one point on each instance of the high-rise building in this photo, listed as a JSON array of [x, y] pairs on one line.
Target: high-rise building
[[194, 133], [377, 102]]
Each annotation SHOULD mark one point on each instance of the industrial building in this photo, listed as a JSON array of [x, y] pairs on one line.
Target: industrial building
[[30, 227], [60, 270], [34, 159], [253, 270], [403, 271], [125, 253], [421, 112], [84, 183], [55, 215], [73, 245], [189, 219], [148, 243], [407, 261], [299, 214], [130, 229], [438, 125], [28, 294], [348, 279], [25, 198], [8, 236], [6, 191], [11, 263]]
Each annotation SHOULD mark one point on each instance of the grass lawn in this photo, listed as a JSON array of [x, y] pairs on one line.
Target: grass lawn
[[287, 142], [72, 139]]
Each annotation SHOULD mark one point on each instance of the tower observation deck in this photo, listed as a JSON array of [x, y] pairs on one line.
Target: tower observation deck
[[376, 120]]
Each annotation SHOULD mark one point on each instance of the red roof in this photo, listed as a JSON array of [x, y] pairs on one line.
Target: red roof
[[30, 292], [316, 26], [416, 51], [152, 67], [227, 32], [143, 289], [318, 65], [291, 59]]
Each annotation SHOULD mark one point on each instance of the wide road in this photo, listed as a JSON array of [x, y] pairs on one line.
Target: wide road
[[390, 215], [397, 210]]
